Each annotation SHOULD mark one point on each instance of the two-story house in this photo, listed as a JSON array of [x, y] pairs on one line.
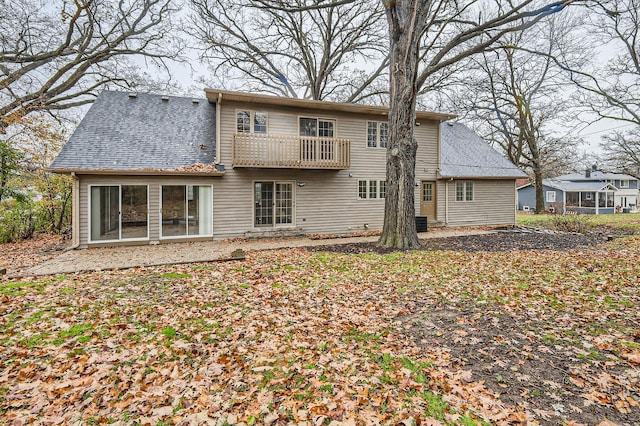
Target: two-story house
[[594, 192], [152, 169]]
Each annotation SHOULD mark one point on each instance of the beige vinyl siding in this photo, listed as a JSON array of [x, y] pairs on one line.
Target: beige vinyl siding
[[493, 203], [328, 202], [153, 183]]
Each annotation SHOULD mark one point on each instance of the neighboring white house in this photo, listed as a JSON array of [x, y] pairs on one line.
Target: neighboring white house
[[594, 192]]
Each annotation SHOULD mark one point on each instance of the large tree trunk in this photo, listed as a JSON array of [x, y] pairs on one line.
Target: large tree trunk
[[537, 175], [405, 28]]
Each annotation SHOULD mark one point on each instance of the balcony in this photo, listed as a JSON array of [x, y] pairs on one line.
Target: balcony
[[290, 152]]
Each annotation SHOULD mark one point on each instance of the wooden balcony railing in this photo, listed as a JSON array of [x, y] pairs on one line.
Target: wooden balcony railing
[[290, 152]]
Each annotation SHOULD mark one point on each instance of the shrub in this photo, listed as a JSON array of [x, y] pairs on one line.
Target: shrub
[[571, 223], [18, 220]]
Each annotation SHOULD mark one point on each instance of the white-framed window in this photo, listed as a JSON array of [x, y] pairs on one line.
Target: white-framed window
[[186, 211], [377, 134], [371, 189], [273, 203], [550, 196], [464, 191], [118, 212], [251, 121], [624, 184]]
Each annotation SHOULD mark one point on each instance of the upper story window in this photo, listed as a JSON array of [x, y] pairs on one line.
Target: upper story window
[[317, 127], [377, 134], [251, 121], [464, 191], [624, 184]]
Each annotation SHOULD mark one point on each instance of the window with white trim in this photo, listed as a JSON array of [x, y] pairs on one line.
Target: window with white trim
[[251, 121], [186, 211], [624, 184], [550, 196], [371, 189], [377, 134], [464, 191]]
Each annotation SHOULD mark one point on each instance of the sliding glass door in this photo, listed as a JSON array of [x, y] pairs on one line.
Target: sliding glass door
[[118, 212], [187, 211]]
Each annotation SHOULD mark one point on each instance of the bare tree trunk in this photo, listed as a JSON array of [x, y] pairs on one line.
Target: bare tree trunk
[[405, 27], [537, 173]]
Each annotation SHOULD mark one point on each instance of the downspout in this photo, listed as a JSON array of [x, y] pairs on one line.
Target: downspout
[[218, 121], [75, 211]]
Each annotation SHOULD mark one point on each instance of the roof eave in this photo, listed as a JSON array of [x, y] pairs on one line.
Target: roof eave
[[134, 172], [213, 95], [478, 177]]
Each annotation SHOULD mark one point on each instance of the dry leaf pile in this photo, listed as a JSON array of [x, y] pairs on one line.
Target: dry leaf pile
[[23, 254], [314, 338]]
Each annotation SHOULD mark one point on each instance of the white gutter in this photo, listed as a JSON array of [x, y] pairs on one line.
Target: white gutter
[[75, 211], [218, 121]]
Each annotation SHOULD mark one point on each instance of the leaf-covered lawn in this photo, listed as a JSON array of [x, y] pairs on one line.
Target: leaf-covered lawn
[[626, 223], [291, 336]]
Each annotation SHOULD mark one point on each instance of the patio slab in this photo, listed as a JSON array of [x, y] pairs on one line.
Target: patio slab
[[105, 258]]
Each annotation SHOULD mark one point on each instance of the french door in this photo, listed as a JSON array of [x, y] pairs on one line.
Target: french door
[[118, 212], [273, 203]]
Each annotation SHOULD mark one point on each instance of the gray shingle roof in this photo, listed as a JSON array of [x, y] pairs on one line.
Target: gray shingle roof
[[567, 186], [465, 154], [595, 175], [122, 133]]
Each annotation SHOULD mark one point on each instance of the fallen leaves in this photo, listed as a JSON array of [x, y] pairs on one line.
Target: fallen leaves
[[315, 338]]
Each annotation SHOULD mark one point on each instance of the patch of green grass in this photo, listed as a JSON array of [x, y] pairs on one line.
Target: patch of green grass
[[327, 388], [632, 345], [359, 336], [75, 330], [175, 275], [593, 355], [435, 406], [168, 332], [20, 288]]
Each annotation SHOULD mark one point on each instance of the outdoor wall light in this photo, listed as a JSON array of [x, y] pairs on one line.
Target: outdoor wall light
[[301, 184], [350, 174]]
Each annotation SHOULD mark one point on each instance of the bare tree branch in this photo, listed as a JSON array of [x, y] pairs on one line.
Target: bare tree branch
[[294, 48], [50, 55]]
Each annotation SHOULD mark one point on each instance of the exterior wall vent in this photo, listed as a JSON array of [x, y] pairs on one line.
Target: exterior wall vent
[[165, 99], [133, 95], [195, 101]]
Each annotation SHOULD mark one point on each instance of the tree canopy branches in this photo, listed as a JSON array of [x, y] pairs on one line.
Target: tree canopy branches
[[54, 57], [332, 50]]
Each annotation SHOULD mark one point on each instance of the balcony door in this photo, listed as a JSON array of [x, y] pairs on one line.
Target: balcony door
[[318, 145], [273, 204]]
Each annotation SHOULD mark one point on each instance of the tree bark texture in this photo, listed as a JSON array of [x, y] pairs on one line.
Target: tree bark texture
[[406, 25]]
